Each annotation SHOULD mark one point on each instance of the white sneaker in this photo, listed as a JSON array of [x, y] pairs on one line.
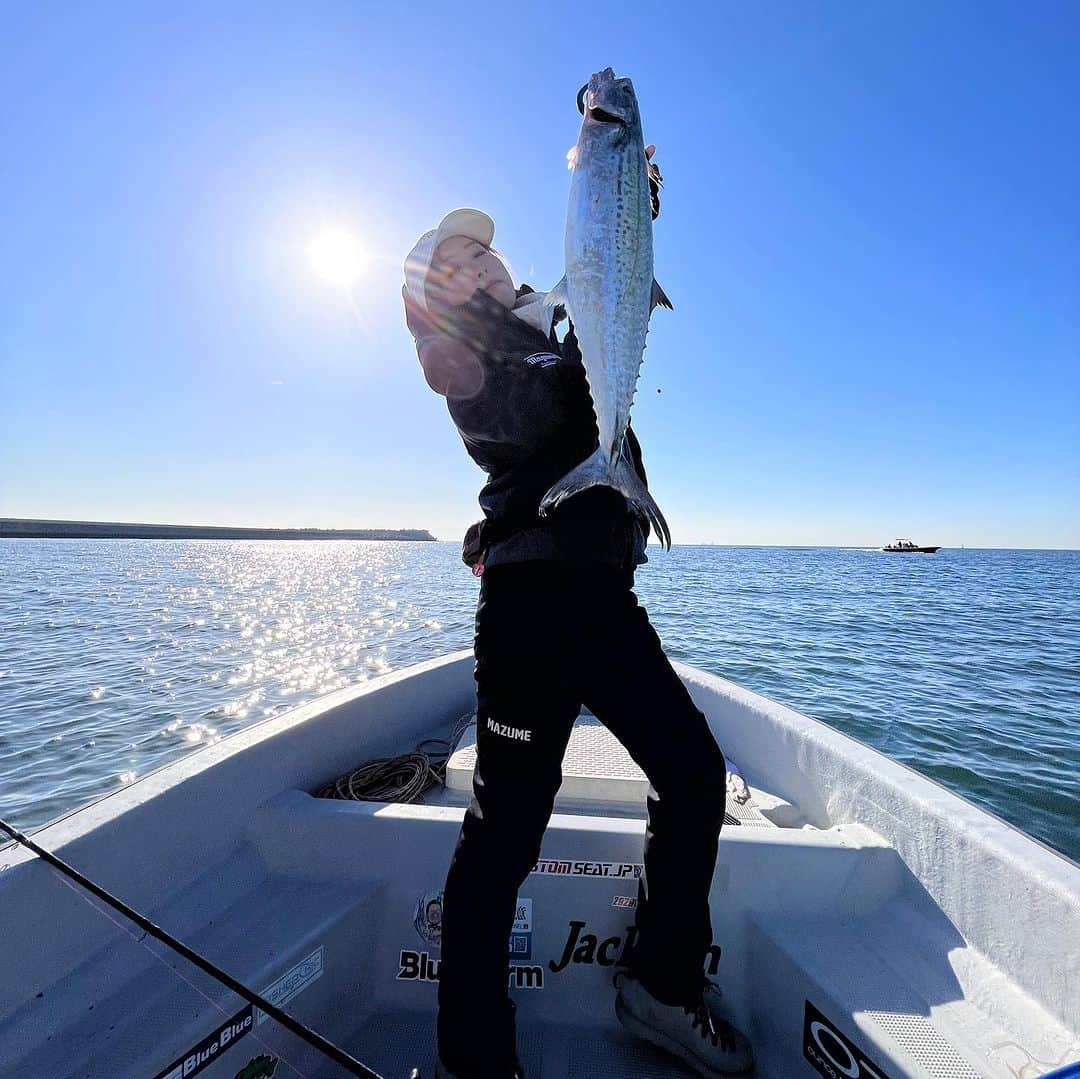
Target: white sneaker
[[700, 1036]]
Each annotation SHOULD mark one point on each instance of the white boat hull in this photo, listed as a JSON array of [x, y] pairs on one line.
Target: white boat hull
[[874, 923]]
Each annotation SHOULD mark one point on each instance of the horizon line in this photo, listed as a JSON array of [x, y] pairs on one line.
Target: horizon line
[[319, 528]]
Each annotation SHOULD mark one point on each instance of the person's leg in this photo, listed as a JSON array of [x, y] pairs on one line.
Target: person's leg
[[635, 693], [527, 701]]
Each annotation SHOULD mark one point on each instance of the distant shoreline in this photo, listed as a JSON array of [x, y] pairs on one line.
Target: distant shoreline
[[30, 528]]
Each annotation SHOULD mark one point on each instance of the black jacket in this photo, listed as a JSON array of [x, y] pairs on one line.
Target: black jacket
[[521, 404]]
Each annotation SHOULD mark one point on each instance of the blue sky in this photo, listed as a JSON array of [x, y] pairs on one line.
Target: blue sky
[[870, 231]]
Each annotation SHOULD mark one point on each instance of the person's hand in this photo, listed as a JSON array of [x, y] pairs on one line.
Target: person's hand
[[656, 180]]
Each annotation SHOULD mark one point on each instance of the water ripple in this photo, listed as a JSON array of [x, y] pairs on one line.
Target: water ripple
[[119, 656]]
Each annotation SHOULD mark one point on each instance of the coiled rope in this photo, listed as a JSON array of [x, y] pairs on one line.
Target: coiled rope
[[399, 779]]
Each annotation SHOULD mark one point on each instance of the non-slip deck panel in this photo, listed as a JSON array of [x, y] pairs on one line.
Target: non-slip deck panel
[[596, 768], [595, 765], [891, 989]]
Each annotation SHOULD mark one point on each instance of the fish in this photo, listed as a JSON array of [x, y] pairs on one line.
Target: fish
[[608, 290]]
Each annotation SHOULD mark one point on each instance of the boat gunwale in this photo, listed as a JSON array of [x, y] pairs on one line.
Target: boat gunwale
[[205, 757], [223, 750], [914, 773]]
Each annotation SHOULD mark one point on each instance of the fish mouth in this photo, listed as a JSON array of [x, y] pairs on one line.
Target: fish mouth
[[602, 116]]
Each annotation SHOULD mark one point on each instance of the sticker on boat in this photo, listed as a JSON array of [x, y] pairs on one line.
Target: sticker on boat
[[831, 1053], [200, 1056], [211, 1047], [427, 921], [559, 867], [587, 949], [421, 967], [293, 982], [259, 1067], [521, 932], [624, 902], [428, 918]]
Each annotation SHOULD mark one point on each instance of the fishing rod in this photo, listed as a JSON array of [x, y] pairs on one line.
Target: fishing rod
[[313, 1038]]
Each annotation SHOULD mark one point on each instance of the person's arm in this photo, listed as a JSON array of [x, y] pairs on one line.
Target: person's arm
[[450, 367]]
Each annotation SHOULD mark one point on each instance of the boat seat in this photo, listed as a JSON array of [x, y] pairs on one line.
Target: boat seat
[[254, 925], [584, 887], [596, 770]]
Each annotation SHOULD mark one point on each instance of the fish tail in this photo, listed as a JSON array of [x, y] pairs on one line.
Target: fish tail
[[596, 471], [630, 484]]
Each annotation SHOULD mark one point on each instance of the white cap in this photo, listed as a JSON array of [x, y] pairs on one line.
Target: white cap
[[473, 224]]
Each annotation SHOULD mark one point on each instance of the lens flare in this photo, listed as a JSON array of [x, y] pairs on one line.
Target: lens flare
[[336, 257]]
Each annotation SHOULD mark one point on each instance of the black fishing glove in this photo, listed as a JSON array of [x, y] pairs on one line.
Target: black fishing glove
[[656, 181]]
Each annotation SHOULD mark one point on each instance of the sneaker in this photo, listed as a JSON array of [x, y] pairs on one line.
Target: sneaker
[[700, 1036]]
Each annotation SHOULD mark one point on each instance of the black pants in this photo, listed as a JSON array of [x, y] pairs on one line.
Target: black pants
[[549, 638]]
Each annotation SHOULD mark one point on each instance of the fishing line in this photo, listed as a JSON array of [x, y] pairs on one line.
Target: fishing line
[[313, 1038]]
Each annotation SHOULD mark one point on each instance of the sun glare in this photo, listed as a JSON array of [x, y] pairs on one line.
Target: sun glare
[[336, 257]]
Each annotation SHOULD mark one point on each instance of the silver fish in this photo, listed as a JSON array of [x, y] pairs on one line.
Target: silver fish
[[609, 290]]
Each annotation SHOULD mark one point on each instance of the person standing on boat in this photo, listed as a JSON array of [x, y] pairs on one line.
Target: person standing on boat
[[557, 626]]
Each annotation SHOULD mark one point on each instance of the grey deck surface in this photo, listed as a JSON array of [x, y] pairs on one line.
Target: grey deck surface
[[393, 1045]]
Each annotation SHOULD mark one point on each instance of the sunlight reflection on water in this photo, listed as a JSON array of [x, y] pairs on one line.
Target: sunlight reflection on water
[[123, 655], [119, 656]]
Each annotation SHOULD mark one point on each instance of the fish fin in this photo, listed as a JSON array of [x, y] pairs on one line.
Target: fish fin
[[659, 298], [630, 484], [571, 157], [557, 297], [594, 471]]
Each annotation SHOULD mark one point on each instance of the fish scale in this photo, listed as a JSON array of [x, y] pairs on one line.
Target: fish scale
[[608, 289]]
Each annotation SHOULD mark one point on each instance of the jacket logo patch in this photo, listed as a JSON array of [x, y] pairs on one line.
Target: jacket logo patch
[[541, 359]]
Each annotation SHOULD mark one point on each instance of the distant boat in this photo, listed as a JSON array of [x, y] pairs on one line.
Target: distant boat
[[905, 546]]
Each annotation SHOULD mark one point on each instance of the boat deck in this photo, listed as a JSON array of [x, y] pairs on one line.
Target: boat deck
[[818, 925]]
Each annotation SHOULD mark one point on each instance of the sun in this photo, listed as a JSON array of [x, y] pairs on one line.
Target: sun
[[336, 256]]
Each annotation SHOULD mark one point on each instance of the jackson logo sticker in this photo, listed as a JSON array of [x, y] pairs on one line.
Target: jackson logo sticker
[[542, 359], [588, 949], [833, 1054]]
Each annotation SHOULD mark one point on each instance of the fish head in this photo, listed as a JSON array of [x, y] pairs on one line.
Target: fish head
[[609, 108]]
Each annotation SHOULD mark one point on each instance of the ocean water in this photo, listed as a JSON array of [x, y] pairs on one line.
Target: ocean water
[[118, 656]]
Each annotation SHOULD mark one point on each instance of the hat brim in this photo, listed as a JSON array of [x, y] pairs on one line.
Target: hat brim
[[472, 224]]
